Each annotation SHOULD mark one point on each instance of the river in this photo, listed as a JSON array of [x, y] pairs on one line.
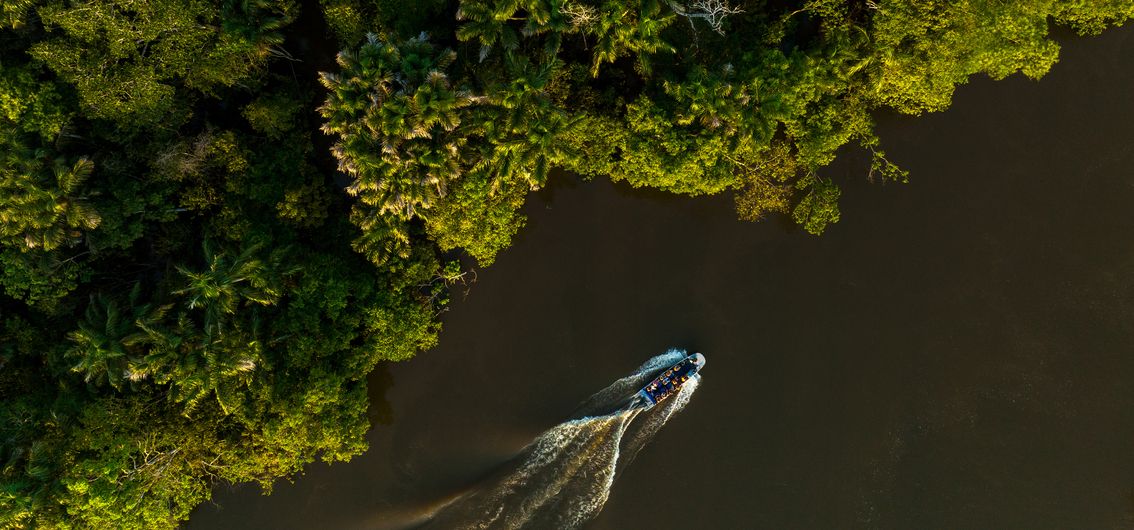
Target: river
[[955, 353]]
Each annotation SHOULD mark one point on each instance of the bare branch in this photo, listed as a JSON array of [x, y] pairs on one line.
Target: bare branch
[[580, 15], [713, 12]]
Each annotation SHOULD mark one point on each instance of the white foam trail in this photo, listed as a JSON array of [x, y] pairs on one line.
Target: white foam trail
[[654, 421], [564, 477], [617, 393]]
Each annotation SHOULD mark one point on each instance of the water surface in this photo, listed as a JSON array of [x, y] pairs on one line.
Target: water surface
[[956, 353]]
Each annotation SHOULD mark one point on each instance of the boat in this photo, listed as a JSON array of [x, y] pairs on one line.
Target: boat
[[670, 381]]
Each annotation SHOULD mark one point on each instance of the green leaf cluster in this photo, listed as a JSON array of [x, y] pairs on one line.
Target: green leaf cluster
[[190, 293], [180, 303]]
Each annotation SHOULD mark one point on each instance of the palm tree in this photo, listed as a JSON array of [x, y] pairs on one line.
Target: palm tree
[[647, 39], [713, 101], [44, 207], [436, 104], [228, 282], [488, 24], [217, 365], [525, 88], [383, 238], [201, 362], [259, 23], [402, 147], [98, 343], [540, 145], [15, 12], [72, 211], [525, 144], [109, 345], [619, 32], [611, 33], [164, 342], [217, 355]]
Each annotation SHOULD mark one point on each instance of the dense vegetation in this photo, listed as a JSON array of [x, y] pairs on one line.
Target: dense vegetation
[[189, 291]]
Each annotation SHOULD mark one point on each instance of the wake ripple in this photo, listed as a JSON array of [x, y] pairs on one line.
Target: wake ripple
[[563, 478]]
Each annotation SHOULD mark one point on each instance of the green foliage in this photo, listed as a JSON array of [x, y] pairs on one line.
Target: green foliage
[[497, 23], [766, 184], [15, 13], [47, 202], [480, 215], [128, 58], [620, 31], [189, 294], [395, 112], [744, 116], [925, 49], [274, 115], [229, 283], [29, 105], [418, 147], [123, 475], [1090, 17], [819, 206], [597, 143], [166, 322], [345, 20], [46, 206], [351, 20], [305, 205], [39, 278], [659, 154], [104, 347]]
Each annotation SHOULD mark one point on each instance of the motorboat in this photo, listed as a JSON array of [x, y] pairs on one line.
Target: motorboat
[[670, 380]]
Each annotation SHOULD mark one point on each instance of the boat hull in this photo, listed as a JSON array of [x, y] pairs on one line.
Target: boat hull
[[670, 380]]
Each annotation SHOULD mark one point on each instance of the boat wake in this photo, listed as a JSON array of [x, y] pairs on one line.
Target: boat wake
[[563, 478]]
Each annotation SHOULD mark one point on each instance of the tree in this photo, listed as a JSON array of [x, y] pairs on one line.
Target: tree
[[199, 364], [713, 101], [487, 23], [620, 31], [1090, 17], [660, 154], [105, 346], [15, 12], [767, 185], [819, 206], [217, 354], [396, 112], [533, 149], [397, 118], [46, 206], [135, 132], [29, 104], [922, 51], [492, 23], [229, 282], [481, 215], [712, 12], [128, 58], [40, 278]]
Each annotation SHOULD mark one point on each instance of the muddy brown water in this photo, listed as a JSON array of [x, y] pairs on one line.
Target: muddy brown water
[[955, 353]]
